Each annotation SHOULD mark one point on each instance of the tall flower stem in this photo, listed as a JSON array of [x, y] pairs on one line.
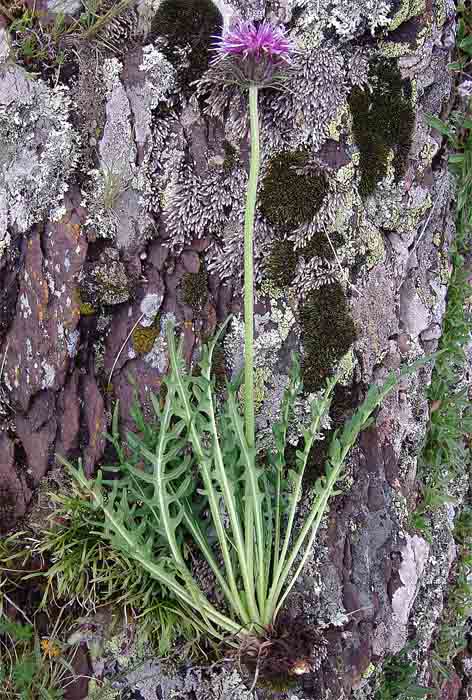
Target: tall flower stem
[[255, 162]]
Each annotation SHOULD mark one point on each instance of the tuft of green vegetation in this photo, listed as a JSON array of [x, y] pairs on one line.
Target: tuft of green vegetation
[[328, 332], [398, 679], [451, 638], [194, 287], [31, 667], [462, 64], [447, 453], [112, 187], [189, 27], [383, 120], [35, 44], [174, 483], [289, 195], [85, 567], [143, 337], [43, 45]]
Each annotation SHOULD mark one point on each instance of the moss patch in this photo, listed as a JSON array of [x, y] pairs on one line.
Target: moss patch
[[328, 332], [143, 337], [86, 309], [188, 26], [194, 288], [282, 263], [283, 258], [319, 246], [383, 120], [231, 157], [290, 197]]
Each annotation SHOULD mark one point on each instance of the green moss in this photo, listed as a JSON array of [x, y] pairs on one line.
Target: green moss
[[218, 366], [278, 685], [319, 246], [231, 157], [328, 332], [383, 120], [143, 337], [283, 258], [289, 197], [188, 26], [194, 288], [86, 309], [282, 263]]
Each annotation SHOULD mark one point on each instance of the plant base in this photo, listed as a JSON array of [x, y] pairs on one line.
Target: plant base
[[281, 653]]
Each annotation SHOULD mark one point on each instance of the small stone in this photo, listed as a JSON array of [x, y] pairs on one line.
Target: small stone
[[431, 333], [67, 7], [415, 316], [149, 306], [92, 141], [404, 343], [5, 47]]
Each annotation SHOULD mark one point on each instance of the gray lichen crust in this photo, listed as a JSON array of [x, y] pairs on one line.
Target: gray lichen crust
[[38, 149]]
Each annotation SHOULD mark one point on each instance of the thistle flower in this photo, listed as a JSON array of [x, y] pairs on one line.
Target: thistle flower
[[255, 54]]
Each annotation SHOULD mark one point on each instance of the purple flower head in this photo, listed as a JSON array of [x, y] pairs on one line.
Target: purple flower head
[[258, 52]]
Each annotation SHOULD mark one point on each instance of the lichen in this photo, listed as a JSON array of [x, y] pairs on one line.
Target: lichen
[[104, 282], [383, 120], [337, 125], [38, 150], [352, 19], [198, 206], [143, 337], [407, 10], [290, 194], [346, 368], [328, 332], [188, 26], [194, 286]]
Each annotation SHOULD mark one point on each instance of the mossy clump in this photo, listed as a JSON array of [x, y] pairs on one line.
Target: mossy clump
[[219, 370], [194, 287], [282, 263], [283, 258], [189, 27], [231, 157], [383, 120], [278, 685], [328, 332], [143, 337], [290, 196], [86, 309]]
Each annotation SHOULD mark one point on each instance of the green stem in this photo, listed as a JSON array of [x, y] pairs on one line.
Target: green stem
[[250, 213]]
